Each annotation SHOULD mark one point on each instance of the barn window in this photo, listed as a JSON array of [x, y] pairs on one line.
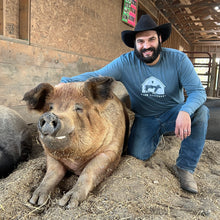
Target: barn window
[[14, 19]]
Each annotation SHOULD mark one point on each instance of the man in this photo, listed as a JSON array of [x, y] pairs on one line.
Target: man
[[155, 78]]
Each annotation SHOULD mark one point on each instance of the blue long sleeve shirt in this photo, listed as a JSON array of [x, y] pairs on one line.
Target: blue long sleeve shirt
[[154, 89]]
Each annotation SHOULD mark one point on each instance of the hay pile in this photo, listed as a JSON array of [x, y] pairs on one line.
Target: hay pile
[[136, 190]]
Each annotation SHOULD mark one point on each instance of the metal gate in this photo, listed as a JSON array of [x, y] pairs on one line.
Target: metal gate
[[207, 70]]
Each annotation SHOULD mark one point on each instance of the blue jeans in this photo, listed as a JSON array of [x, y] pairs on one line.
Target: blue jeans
[[146, 133]]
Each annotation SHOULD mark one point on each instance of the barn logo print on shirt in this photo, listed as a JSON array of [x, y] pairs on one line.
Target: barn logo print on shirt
[[153, 87]]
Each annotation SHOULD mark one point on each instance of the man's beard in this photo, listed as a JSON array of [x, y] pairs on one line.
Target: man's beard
[[150, 59]]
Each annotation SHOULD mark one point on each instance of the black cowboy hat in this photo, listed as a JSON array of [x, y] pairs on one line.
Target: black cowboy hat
[[145, 23]]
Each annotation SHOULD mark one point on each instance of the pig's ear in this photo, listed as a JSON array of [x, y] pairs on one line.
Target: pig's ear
[[36, 98], [99, 88]]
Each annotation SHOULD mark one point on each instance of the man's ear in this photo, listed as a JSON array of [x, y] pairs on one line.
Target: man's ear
[[36, 98], [99, 89], [160, 39]]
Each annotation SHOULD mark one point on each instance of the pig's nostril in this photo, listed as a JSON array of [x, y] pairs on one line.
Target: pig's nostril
[[54, 123], [42, 123]]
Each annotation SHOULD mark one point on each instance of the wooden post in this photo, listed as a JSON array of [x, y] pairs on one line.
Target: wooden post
[[11, 18], [218, 83], [1, 17], [213, 77]]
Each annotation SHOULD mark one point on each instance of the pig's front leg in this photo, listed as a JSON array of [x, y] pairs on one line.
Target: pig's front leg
[[95, 171], [55, 173]]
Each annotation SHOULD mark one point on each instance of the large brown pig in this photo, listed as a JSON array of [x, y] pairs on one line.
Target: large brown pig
[[82, 129]]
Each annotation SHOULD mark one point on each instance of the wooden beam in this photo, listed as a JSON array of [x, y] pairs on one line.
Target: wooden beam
[[161, 5], [198, 28], [204, 31], [208, 43]]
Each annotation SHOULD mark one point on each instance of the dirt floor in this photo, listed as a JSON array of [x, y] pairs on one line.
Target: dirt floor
[[136, 190]]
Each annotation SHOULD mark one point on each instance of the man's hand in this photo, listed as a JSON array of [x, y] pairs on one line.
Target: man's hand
[[59, 84], [183, 125]]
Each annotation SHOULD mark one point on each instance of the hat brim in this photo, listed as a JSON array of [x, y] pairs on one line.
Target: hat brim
[[128, 36]]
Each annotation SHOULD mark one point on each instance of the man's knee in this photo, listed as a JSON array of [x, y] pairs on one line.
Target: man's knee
[[142, 151], [139, 154], [202, 114]]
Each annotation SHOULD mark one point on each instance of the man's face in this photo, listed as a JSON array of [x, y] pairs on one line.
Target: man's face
[[148, 46]]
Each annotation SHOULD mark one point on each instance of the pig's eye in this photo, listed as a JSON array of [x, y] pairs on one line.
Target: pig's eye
[[78, 108], [50, 106]]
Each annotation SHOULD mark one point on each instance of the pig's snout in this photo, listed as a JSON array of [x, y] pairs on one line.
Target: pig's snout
[[49, 124]]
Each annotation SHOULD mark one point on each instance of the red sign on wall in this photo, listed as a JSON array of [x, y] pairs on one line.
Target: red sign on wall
[[129, 14]]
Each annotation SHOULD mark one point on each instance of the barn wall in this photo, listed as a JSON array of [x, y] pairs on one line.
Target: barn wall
[[212, 49], [90, 28], [60, 38], [22, 67]]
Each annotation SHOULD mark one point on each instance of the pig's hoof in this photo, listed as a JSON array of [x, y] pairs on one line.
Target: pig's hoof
[[68, 202], [37, 199], [72, 204]]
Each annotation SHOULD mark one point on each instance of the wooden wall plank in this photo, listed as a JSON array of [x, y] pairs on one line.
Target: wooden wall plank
[[23, 19], [1, 17], [11, 18]]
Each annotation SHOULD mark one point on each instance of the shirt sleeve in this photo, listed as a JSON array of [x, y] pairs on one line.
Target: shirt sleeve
[[113, 69], [192, 85]]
